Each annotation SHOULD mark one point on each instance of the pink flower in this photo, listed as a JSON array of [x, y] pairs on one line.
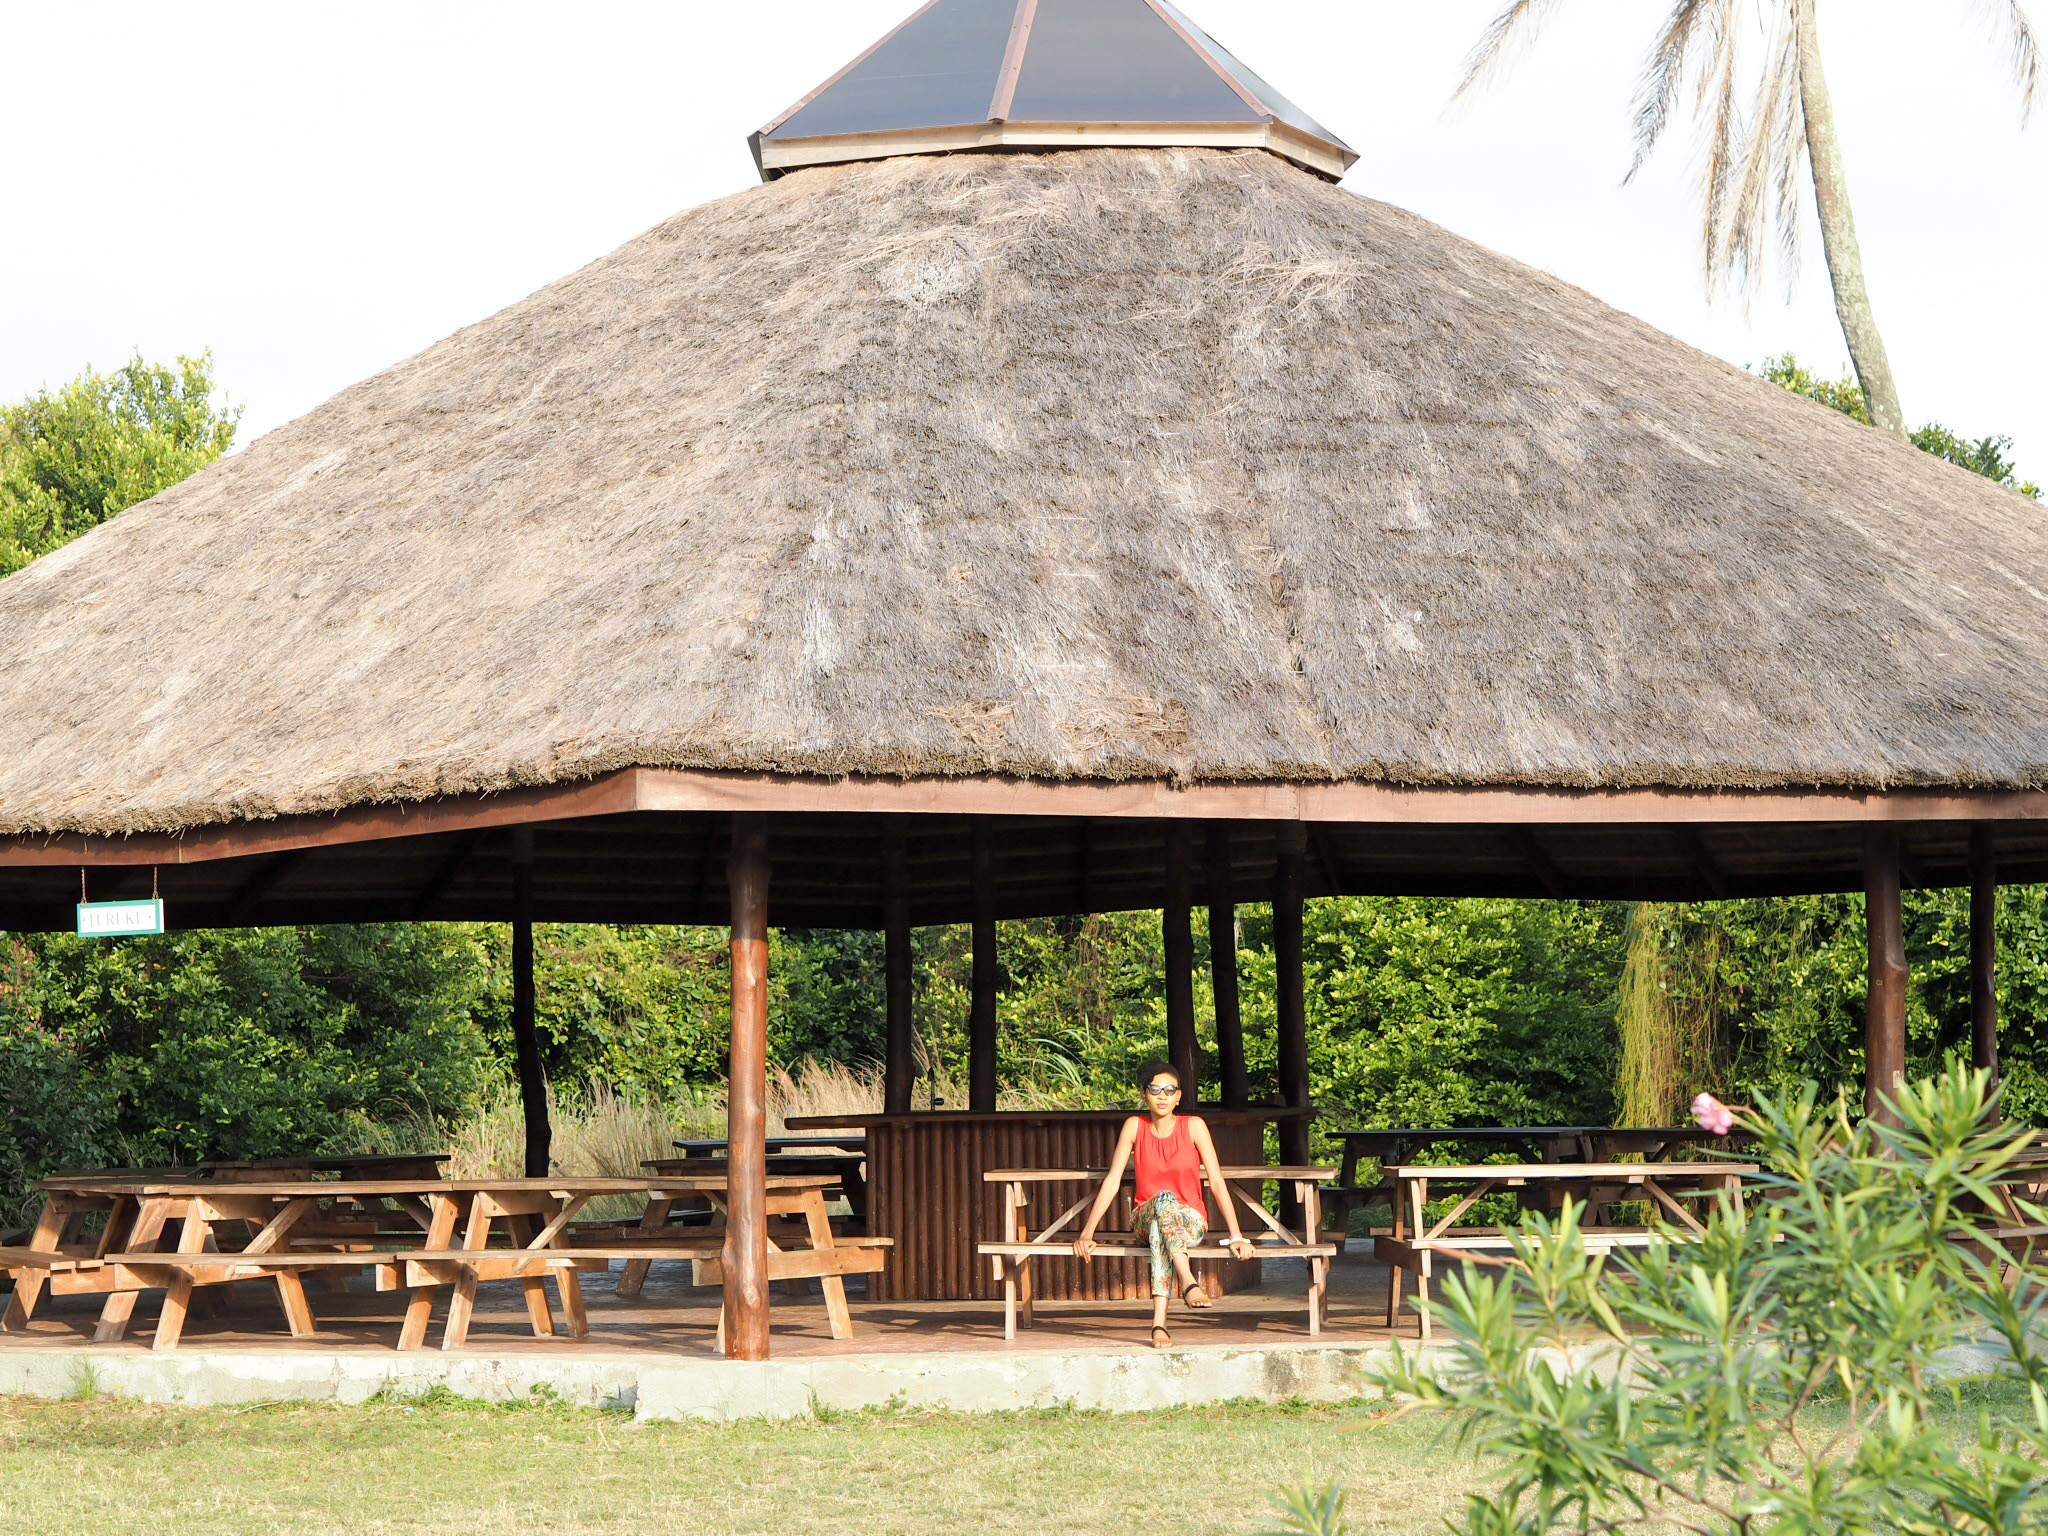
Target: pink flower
[[1713, 1115]]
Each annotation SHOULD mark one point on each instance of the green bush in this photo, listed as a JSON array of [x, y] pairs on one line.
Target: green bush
[[1790, 1372]]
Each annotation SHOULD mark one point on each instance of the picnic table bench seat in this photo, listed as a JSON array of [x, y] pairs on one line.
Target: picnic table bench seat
[[46, 1259]]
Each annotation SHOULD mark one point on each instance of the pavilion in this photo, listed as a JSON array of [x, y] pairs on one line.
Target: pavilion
[[1048, 492]]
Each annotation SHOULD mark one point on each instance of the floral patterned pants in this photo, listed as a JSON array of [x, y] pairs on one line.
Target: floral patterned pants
[[1172, 1228]]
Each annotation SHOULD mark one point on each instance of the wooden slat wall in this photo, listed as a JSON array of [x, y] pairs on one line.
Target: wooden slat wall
[[925, 1190]]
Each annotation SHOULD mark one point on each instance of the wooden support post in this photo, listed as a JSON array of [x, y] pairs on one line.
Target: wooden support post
[[1237, 1087], [1177, 921], [1983, 952], [745, 1253], [1885, 1021], [981, 1022], [533, 1082], [1291, 1004], [899, 1062]]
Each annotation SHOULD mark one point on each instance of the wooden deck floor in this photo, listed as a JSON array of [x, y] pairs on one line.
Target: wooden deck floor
[[672, 1318]]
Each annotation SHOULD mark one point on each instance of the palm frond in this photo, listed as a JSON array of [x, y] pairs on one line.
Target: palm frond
[[1664, 75], [1512, 30], [1761, 190], [2023, 50], [1718, 84]]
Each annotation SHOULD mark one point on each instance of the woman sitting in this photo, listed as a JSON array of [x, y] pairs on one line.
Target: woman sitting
[[1175, 1152]]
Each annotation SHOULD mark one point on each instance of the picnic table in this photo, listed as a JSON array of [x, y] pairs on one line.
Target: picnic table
[[417, 1234], [1412, 1245], [2009, 1228], [1534, 1143], [1011, 1256], [844, 1157]]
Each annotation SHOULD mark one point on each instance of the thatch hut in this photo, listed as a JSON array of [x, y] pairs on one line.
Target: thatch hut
[[1119, 512]]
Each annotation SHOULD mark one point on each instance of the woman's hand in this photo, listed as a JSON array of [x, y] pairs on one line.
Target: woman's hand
[[1084, 1248], [1241, 1246]]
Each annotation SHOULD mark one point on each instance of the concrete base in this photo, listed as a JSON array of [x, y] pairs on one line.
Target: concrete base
[[1116, 1380]]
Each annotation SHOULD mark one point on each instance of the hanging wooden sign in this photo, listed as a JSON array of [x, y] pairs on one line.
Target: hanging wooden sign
[[120, 919]]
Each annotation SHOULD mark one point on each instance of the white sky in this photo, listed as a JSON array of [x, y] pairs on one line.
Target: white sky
[[316, 189]]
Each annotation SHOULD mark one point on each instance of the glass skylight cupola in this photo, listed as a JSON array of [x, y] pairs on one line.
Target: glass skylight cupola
[[1042, 75]]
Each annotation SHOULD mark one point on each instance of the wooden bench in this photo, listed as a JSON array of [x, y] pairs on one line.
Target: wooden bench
[[1011, 1256], [46, 1260]]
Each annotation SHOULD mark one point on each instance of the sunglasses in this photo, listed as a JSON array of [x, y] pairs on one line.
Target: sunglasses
[[1162, 1088]]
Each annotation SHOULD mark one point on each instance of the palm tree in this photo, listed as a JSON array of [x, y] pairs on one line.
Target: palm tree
[[1750, 183]]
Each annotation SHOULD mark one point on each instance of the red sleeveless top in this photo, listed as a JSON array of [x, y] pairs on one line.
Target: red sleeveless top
[[1170, 1162]]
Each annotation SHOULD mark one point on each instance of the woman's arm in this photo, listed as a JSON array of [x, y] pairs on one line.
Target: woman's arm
[[1084, 1245], [1240, 1245]]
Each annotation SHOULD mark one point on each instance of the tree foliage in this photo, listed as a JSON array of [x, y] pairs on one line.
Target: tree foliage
[[70, 458], [230, 1044]]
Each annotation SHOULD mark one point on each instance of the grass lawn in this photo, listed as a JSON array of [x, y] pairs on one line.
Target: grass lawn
[[116, 1468]]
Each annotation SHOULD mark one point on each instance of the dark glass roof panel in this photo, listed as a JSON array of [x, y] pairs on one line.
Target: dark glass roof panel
[[1117, 61], [937, 72], [1285, 110]]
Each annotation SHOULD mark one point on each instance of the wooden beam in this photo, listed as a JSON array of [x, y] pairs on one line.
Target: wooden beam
[[1984, 952], [1885, 1019], [243, 904], [1236, 1081], [459, 851], [1701, 858], [533, 1082], [982, 1086], [1183, 1049], [1540, 864], [1326, 862], [745, 1255], [1013, 61], [676, 789], [899, 1062], [1087, 868], [1291, 1001]]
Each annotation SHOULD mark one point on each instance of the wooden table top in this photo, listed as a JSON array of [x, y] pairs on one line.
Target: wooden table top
[[1234, 1172], [1561, 1172], [301, 1189], [788, 1162], [710, 1146]]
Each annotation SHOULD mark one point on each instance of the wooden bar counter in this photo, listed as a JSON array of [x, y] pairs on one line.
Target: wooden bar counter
[[925, 1191]]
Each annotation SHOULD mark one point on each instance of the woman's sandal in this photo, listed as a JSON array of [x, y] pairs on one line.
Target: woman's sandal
[[1195, 1285], [1161, 1339]]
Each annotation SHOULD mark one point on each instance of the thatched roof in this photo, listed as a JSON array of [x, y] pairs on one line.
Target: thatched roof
[[1104, 464]]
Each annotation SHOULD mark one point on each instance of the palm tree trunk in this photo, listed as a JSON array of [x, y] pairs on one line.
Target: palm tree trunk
[[1838, 231]]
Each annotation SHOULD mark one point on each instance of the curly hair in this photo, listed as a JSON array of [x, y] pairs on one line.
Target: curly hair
[[1153, 1068]]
